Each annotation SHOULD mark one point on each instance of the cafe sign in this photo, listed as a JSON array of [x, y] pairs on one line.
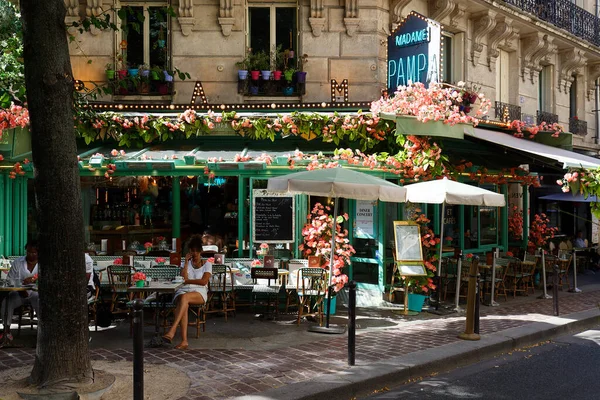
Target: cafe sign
[[414, 51]]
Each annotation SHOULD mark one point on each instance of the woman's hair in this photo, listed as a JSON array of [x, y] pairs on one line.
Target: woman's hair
[[195, 242]]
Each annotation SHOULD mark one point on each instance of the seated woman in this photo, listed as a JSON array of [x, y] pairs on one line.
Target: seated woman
[[194, 291]]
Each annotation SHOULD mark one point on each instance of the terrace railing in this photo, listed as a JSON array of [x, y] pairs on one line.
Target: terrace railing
[[577, 126], [506, 112], [563, 14], [549, 118]]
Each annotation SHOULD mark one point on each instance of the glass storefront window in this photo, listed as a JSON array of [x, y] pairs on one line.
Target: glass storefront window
[[451, 228], [489, 225]]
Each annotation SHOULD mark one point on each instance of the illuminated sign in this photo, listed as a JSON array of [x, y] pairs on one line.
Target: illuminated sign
[[414, 52]]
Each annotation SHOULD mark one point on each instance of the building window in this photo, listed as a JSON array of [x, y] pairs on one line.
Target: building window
[[145, 29], [545, 89], [271, 26], [573, 98]]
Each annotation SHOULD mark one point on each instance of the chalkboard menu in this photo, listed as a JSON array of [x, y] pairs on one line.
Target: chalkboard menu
[[273, 217]]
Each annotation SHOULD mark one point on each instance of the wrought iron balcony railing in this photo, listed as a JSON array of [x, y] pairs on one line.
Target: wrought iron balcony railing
[[507, 112], [577, 126], [563, 14], [549, 118]]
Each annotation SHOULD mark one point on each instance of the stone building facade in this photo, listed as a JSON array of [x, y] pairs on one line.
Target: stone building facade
[[540, 59]]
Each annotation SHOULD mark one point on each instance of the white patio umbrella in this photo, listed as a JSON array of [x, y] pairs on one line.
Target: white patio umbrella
[[446, 191], [336, 183]]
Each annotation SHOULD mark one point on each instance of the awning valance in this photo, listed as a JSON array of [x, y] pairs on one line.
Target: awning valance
[[565, 157]]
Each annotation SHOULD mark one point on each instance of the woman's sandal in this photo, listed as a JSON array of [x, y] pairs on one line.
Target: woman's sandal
[[181, 347], [167, 339]]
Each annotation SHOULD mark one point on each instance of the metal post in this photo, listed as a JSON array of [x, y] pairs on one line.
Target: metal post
[[545, 295], [477, 303], [352, 323], [138, 350], [575, 288], [469, 333], [493, 282], [555, 290], [458, 282]]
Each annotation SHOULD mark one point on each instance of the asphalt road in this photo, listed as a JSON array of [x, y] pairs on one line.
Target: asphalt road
[[566, 367]]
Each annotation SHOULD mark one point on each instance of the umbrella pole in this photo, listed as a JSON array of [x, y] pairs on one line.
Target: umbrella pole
[[439, 271], [333, 329], [333, 236]]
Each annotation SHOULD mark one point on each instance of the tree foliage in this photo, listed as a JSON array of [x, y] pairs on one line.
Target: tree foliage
[[12, 79]]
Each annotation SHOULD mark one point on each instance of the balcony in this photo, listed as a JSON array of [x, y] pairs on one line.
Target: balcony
[[565, 15], [549, 118], [577, 126], [507, 112]]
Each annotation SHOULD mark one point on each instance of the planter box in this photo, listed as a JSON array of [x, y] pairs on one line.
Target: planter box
[[409, 125]]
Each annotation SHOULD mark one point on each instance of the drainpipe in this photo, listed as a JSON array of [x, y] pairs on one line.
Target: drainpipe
[[597, 115]]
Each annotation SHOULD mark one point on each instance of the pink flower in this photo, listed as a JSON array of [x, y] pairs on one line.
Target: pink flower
[[147, 245], [118, 261], [139, 276]]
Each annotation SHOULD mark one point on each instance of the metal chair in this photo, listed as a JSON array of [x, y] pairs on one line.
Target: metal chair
[[119, 278], [291, 286], [221, 296], [270, 289], [312, 286]]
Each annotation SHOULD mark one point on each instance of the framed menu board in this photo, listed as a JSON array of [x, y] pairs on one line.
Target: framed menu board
[[273, 217], [409, 253]]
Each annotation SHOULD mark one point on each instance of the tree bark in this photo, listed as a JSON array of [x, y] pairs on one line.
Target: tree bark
[[62, 354]]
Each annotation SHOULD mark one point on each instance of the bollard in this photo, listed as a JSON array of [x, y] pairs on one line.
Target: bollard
[[138, 350], [477, 301], [555, 290], [469, 333], [352, 323]]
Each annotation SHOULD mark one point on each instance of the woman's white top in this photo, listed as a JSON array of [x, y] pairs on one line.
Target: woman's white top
[[195, 273]]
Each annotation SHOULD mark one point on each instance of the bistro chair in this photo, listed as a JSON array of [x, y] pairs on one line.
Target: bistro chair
[[221, 294], [291, 285], [119, 279], [21, 312], [518, 277], [198, 312], [312, 287], [564, 264], [502, 265], [265, 283], [93, 301]]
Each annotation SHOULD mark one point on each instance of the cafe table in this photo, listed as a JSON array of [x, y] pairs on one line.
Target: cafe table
[[4, 292], [162, 290]]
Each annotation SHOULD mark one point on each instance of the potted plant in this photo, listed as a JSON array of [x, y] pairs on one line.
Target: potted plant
[[288, 75], [109, 70], [243, 67], [263, 64], [301, 74], [139, 278], [278, 56], [122, 66]]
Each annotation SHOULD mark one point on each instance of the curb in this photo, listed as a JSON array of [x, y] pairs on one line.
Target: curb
[[362, 380]]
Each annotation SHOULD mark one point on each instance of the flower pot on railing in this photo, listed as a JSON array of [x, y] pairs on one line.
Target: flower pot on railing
[[163, 88], [265, 75], [110, 74], [254, 90], [133, 72], [254, 75], [301, 77], [122, 73], [277, 75], [242, 74], [288, 90]]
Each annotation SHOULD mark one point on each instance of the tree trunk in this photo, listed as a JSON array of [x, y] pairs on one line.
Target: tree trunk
[[62, 342]]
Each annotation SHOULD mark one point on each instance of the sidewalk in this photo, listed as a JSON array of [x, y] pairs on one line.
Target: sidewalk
[[280, 360]]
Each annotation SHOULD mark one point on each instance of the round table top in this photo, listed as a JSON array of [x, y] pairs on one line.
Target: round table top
[[14, 289]]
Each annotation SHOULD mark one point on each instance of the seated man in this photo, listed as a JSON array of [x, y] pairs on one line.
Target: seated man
[[89, 273], [579, 241], [23, 271]]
